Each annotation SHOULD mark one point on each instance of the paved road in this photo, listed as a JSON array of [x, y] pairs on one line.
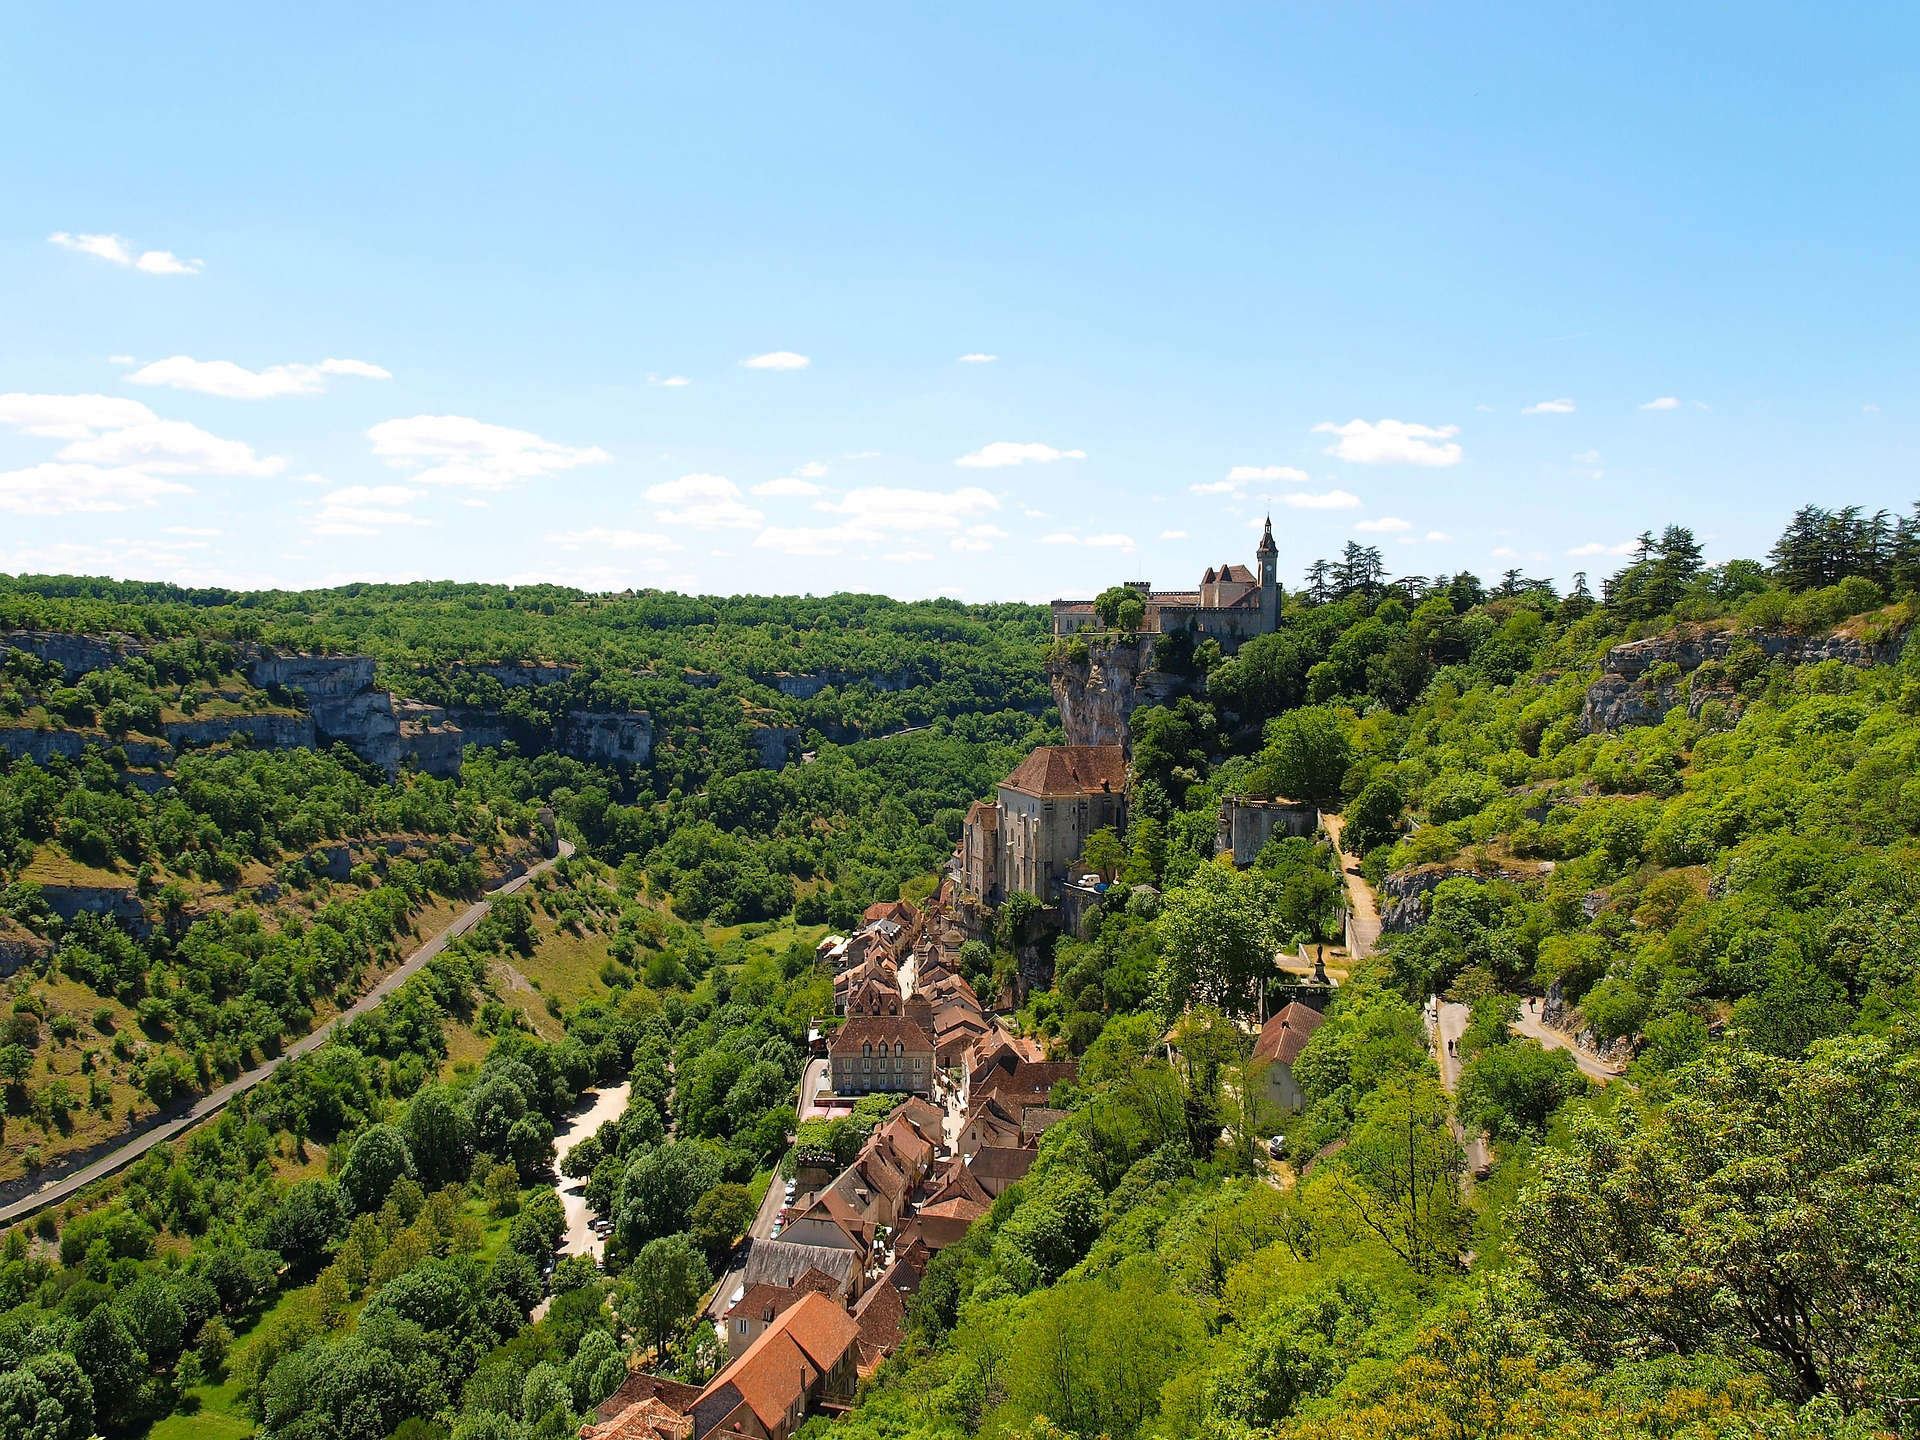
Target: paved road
[[760, 1229], [1451, 1025], [1529, 1025], [54, 1191], [1364, 914]]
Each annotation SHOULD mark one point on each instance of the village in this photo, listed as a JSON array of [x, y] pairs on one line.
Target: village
[[819, 1295]]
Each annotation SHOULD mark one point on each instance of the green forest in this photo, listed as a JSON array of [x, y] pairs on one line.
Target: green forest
[[1720, 1240]]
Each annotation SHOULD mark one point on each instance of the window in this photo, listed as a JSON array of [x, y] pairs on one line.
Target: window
[[745, 1325]]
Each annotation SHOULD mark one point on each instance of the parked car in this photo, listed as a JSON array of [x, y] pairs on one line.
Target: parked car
[[1277, 1147]]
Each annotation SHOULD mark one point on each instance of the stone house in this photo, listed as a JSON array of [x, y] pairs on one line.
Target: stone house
[[881, 1053], [1032, 837], [1281, 1040], [1231, 604]]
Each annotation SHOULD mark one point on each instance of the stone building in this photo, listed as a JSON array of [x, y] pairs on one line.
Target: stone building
[[1247, 823], [1033, 834], [881, 1053], [1231, 604]]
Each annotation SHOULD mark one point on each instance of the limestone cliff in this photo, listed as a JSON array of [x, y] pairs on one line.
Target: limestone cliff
[[1098, 694], [1642, 680], [593, 735], [75, 654]]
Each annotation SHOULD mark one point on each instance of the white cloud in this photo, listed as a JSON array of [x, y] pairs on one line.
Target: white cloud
[[223, 377], [1173, 534], [1438, 535], [1665, 402], [1332, 500], [198, 530], [777, 360], [1594, 547], [1111, 542], [1393, 442], [1215, 487], [969, 544], [173, 447], [124, 435], [1505, 552], [978, 359], [986, 532], [880, 508], [706, 502], [906, 557], [1869, 409], [364, 510], [461, 451], [672, 382], [1385, 525], [812, 470], [1242, 473], [51, 488], [1587, 457], [71, 417], [1014, 452], [1549, 407], [787, 485], [1060, 539], [119, 250], [165, 262], [602, 538]]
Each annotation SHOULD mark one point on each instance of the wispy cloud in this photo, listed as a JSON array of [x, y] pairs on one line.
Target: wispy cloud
[[672, 382], [1393, 442], [1594, 547], [224, 378], [458, 450], [1215, 487], [883, 509], [1439, 535], [1173, 534], [1385, 525], [978, 359], [1664, 402], [704, 502], [118, 250], [1549, 407], [1014, 452], [1331, 500], [777, 360]]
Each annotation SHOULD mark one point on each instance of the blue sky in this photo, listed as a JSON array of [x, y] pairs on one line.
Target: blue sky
[[697, 295]]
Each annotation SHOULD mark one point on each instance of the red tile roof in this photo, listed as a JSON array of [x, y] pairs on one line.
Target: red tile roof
[[1058, 770], [773, 1374], [1284, 1036], [877, 1030]]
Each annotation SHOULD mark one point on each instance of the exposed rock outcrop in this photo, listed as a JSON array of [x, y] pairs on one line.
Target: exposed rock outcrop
[[75, 654], [806, 686], [776, 744], [40, 746], [20, 946], [1640, 681], [1403, 894], [117, 902], [1097, 696], [592, 735], [267, 732]]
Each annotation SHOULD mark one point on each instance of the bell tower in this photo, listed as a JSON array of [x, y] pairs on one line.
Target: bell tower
[[1269, 557]]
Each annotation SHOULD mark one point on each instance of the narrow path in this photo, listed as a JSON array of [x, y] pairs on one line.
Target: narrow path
[[1530, 1025], [54, 1191], [1363, 912], [1449, 1025]]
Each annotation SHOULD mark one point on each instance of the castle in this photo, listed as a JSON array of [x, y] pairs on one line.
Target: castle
[[1231, 605]]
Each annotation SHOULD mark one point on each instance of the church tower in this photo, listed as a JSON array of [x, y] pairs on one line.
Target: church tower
[[1269, 557]]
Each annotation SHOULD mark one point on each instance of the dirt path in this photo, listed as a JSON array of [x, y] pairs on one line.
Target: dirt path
[[1363, 912], [54, 1191]]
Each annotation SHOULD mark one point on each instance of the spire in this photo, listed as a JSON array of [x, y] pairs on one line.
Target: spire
[[1267, 547]]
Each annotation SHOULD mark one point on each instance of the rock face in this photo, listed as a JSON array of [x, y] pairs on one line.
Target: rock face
[[40, 746], [115, 901], [1403, 894], [341, 698], [775, 744], [1640, 680], [806, 686], [1097, 697], [20, 946], [76, 654], [267, 732], [591, 735]]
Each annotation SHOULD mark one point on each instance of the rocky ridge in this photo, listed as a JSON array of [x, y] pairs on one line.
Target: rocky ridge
[[1098, 695]]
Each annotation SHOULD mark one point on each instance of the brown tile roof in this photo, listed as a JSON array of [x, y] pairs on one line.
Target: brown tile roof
[[782, 1262], [983, 813], [888, 1030], [774, 1373], [1284, 1036], [923, 1115], [1005, 1163], [963, 1208], [882, 1316], [1038, 1119], [638, 1387], [648, 1419], [1071, 770], [763, 1302]]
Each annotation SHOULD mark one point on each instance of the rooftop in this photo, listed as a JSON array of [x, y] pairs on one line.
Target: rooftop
[[1058, 770]]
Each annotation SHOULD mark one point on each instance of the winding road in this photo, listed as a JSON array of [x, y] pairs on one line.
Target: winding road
[[54, 1191]]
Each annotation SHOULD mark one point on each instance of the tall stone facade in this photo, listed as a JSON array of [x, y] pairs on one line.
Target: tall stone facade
[[1031, 836]]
